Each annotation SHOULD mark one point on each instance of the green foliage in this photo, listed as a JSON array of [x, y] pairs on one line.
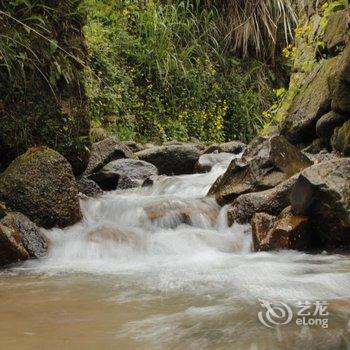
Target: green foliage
[[162, 71], [41, 99]]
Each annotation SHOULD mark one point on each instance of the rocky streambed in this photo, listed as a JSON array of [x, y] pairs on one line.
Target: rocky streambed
[[173, 246]]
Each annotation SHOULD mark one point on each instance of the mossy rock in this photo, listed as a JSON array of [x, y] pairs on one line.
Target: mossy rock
[[341, 139], [40, 184]]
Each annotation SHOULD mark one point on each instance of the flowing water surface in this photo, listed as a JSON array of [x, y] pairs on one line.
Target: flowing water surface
[[158, 268]]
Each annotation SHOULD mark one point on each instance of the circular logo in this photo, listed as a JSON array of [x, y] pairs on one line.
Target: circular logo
[[274, 313]]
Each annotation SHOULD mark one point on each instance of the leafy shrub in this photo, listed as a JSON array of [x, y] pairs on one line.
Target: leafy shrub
[[162, 71]]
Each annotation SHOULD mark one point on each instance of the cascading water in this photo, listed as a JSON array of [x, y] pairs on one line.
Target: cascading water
[[158, 268]]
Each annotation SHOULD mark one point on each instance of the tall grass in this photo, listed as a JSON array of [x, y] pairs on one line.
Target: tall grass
[[31, 43], [256, 27]]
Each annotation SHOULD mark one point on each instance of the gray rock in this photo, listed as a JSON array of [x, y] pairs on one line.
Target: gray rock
[[234, 147], [341, 139], [123, 174], [171, 160], [339, 83], [41, 185], [286, 231], [271, 201], [266, 163], [88, 187], [106, 151], [327, 123], [20, 239], [322, 192]]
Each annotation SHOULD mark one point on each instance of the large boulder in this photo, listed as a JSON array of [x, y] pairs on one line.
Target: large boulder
[[106, 151], [234, 147], [287, 231], [322, 192], [123, 174], [337, 30], [271, 201], [266, 163], [339, 83], [20, 239], [41, 185], [312, 101], [173, 159], [341, 139]]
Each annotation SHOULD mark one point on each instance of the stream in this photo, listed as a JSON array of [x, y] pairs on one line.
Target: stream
[[158, 268]]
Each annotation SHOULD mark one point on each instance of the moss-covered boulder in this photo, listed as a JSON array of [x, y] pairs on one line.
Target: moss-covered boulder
[[322, 192], [312, 101], [327, 123], [40, 184], [341, 139]]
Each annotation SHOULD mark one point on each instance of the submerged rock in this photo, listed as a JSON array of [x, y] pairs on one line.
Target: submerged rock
[[322, 192], [123, 174], [286, 231], [171, 160], [266, 163], [106, 151], [41, 185], [20, 239], [206, 161]]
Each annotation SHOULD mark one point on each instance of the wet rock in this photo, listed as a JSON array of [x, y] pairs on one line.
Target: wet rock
[[123, 174], [266, 163], [271, 201], [88, 187], [171, 160], [171, 216], [312, 101], [20, 239], [327, 123], [41, 185], [322, 192], [286, 231], [106, 151], [207, 161], [106, 234], [234, 147], [341, 139]]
